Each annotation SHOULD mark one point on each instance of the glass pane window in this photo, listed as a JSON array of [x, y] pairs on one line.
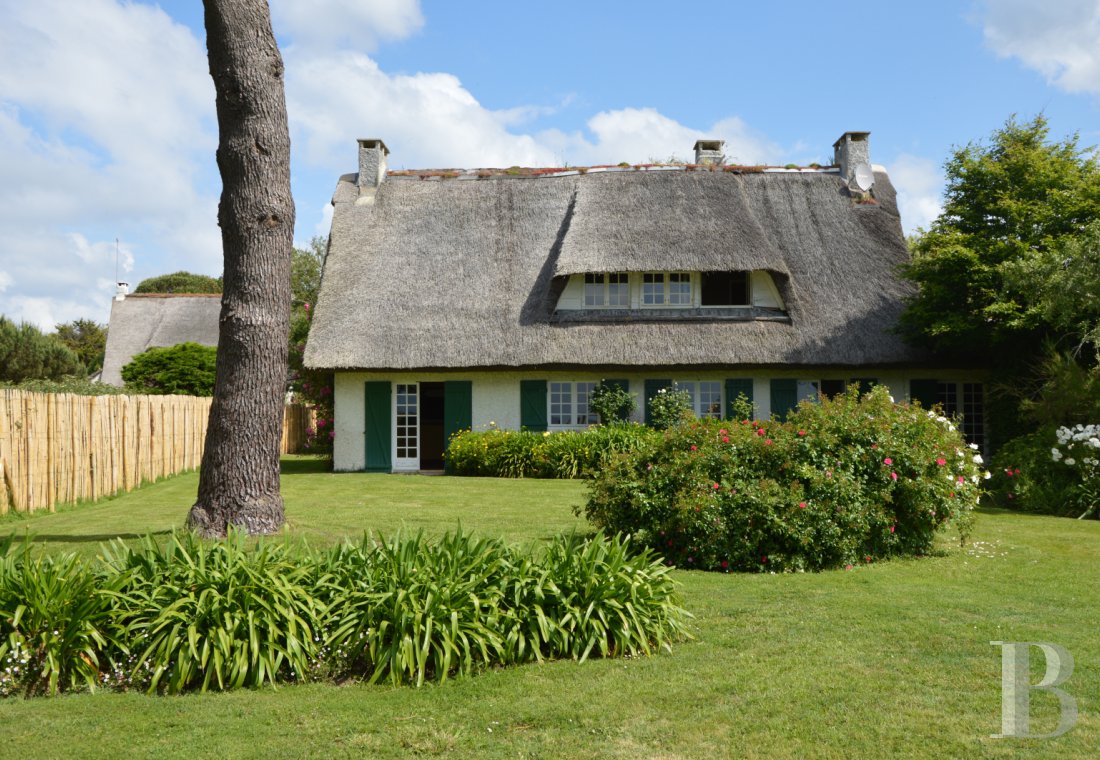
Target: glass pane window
[[973, 414], [679, 288], [406, 418], [710, 400], [594, 290], [561, 403], [705, 397], [569, 404], [653, 288], [618, 289]]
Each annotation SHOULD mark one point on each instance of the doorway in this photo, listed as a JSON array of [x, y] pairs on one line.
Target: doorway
[[432, 438]]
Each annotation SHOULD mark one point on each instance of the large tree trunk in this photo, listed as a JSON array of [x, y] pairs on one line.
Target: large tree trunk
[[239, 481]]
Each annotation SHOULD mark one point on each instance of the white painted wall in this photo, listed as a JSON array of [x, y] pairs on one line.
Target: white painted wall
[[496, 394]]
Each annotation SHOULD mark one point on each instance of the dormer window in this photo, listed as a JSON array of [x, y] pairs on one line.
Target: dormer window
[[611, 290], [672, 294]]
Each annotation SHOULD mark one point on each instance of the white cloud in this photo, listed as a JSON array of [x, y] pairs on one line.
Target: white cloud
[[5, 281], [1060, 39], [106, 118], [919, 182], [356, 24]]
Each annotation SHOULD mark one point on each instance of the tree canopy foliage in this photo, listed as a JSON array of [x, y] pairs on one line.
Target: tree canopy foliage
[[305, 272], [185, 369], [87, 339], [1009, 205], [180, 282], [27, 354]]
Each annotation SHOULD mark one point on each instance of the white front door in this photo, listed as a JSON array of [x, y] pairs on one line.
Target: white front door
[[406, 419]]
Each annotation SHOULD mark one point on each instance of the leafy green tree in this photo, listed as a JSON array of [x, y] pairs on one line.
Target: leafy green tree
[[1007, 203], [87, 339], [27, 354], [305, 273], [180, 282], [185, 369]]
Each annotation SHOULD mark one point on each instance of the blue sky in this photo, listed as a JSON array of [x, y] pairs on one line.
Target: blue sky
[[107, 111]]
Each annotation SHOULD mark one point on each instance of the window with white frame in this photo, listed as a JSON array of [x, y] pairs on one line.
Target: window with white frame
[[706, 397], [568, 403], [972, 408], [671, 288], [607, 289]]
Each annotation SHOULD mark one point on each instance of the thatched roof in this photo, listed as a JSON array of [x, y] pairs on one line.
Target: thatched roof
[[152, 320], [440, 272]]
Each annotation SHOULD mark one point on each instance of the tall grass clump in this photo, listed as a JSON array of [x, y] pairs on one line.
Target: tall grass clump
[[191, 615], [842, 481], [54, 622], [200, 615]]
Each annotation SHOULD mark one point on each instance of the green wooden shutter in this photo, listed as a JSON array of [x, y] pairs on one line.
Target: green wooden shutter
[[924, 391], [737, 387], [651, 389], [458, 408], [784, 397], [532, 405], [378, 430]]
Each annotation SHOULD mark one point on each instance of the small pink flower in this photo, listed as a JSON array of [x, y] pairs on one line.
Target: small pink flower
[[694, 447], [331, 434], [847, 567], [801, 505], [761, 432], [892, 528], [768, 442], [723, 431], [725, 439], [801, 433], [941, 461], [961, 479], [1016, 471], [715, 486], [321, 423], [887, 460], [893, 476], [725, 564]]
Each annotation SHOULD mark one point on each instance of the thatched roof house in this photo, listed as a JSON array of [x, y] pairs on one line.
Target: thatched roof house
[[140, 321], [508, 293]]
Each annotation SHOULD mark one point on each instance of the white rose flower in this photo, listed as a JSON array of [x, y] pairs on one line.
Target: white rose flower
[[1071, 461]]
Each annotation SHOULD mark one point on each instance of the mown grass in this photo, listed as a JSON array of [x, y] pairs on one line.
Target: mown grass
[[886, 660]]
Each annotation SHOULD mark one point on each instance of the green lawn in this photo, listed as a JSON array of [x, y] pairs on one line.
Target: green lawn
[[890, 660]]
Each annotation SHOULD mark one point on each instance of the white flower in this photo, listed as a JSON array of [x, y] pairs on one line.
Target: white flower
[[978, 459], [1071, 461], [986, 475], [973, 446], [1056, 454]]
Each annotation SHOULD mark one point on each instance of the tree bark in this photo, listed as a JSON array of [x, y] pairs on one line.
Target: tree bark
[[239, 479]]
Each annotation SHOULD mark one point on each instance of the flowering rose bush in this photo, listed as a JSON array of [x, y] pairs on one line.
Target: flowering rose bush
[[1078, 448], [842, 481]]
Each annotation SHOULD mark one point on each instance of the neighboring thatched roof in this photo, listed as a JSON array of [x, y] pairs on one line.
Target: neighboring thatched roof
[[151, 320], [438, 272]]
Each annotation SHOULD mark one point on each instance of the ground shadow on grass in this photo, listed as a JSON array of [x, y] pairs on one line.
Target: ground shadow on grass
[[305, 465], [87, 538]]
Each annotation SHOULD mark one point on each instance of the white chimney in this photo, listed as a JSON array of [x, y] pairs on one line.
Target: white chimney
[[121, 291]]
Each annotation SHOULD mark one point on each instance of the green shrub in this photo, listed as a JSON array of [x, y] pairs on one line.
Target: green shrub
[[180, 282], [27, 354], [185, 369], [53, 623], [842, 481], [1054, 471], [612, 402], [524, 454], [670, 407]]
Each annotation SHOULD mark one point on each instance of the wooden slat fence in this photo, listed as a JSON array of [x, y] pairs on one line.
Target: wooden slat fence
[[57, 448]]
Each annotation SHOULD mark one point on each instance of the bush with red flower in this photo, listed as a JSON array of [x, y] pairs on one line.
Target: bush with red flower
[[840, 481]]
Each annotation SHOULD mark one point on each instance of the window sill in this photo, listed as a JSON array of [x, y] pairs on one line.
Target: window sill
[[673, 314]]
